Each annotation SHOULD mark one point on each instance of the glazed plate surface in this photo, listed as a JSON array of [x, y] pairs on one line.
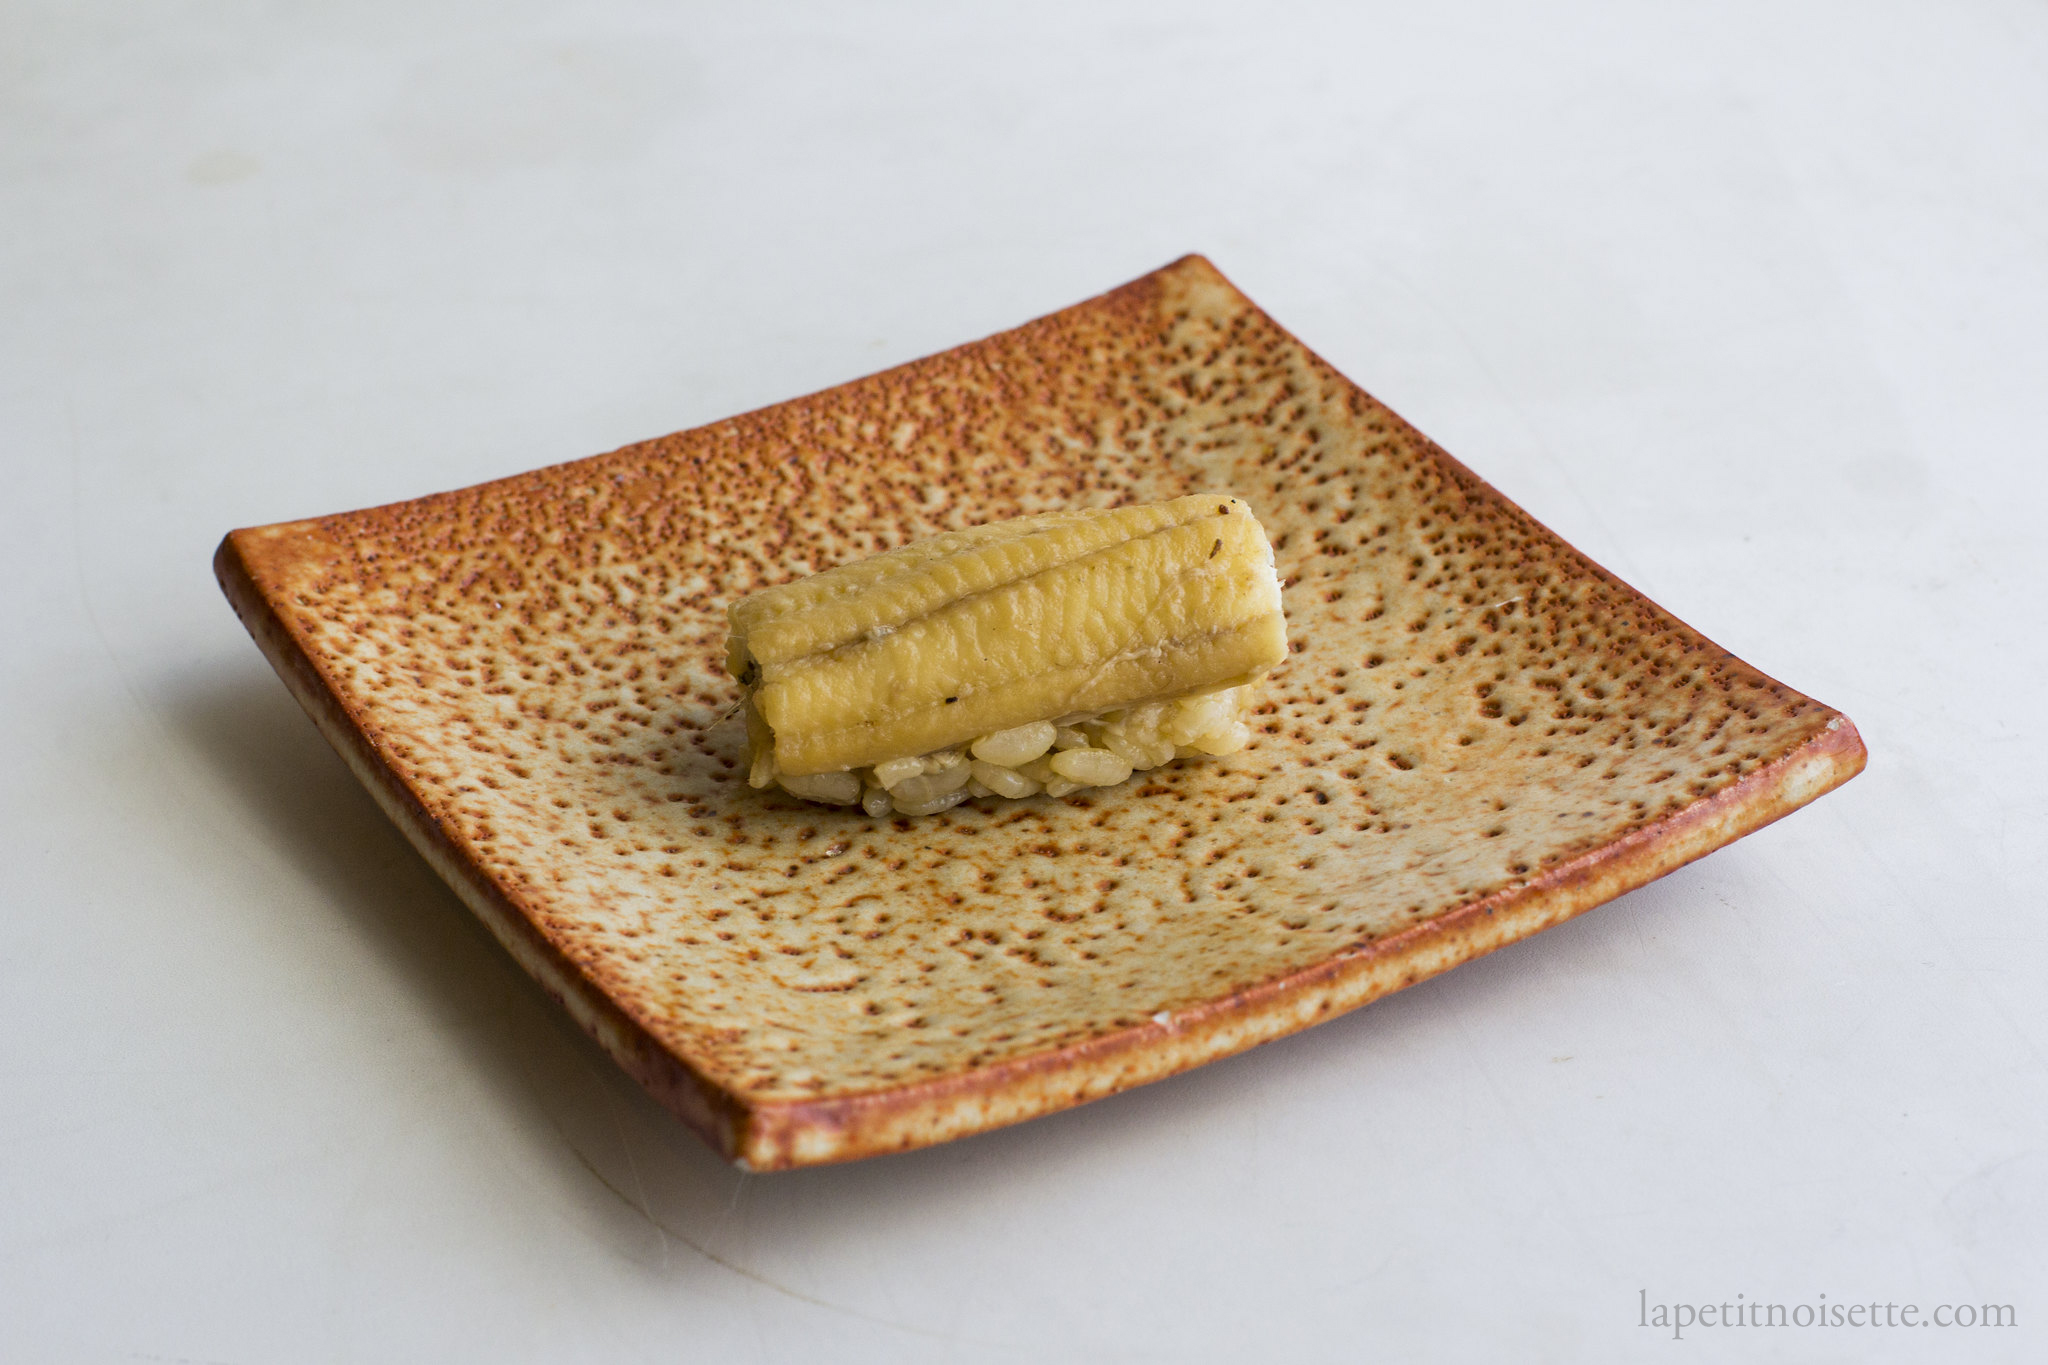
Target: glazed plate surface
[[1479, 733]]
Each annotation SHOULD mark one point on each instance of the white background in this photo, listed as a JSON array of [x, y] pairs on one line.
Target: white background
[[1750, 302]]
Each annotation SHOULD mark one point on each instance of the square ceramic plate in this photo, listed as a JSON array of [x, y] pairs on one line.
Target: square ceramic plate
[[1479, 733]]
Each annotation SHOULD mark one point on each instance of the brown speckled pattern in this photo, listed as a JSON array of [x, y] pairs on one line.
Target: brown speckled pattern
[[1479, 733]]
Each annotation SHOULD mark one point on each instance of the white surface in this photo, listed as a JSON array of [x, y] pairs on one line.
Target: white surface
[[1750, 305]]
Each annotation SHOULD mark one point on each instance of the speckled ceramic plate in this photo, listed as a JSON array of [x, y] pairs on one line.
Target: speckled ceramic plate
[[1480, 733]]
